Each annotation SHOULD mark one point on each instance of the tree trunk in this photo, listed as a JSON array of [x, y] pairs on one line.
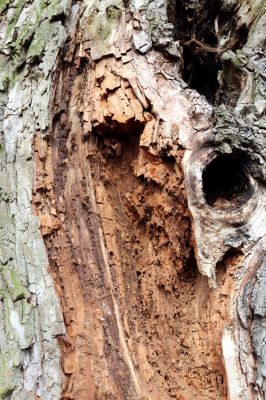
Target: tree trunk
[[132, 199]]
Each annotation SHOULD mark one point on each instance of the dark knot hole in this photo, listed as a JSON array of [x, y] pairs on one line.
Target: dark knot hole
[[226, 181]]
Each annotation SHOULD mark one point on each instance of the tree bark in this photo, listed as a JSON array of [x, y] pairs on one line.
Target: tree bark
[[132, 200]]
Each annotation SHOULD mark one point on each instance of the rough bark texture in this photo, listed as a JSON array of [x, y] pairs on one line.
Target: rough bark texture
[[30, 316], [150, 197]]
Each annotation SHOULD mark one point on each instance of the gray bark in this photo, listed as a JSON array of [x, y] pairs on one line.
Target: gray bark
[[30, 316]]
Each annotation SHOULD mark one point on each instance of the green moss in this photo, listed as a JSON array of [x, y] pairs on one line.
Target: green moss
[[238, 59], [3, 5], [17, 7], [27, 31], [57, 7], [2, 287], [5, 78], [5, 391], [37, 45], [43, 35], [7, 384], [15, 287], [5, 72], [113, 13]]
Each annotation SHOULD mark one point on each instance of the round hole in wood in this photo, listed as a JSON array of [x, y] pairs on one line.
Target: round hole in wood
[[226, 181]]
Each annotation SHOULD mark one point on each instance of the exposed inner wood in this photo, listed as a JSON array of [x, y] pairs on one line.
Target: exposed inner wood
[[141, 321], [123, 162], [132, 199], [131, 243]]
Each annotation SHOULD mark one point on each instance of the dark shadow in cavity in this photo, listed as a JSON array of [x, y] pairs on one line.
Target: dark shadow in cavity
[[199, 26], [190, 272], [230, 257], [118, 141], [226, 182]]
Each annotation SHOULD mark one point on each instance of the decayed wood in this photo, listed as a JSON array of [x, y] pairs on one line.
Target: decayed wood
[[119, 161]]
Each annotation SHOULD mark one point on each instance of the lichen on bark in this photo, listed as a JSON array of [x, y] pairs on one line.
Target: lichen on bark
[[30, 313]]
